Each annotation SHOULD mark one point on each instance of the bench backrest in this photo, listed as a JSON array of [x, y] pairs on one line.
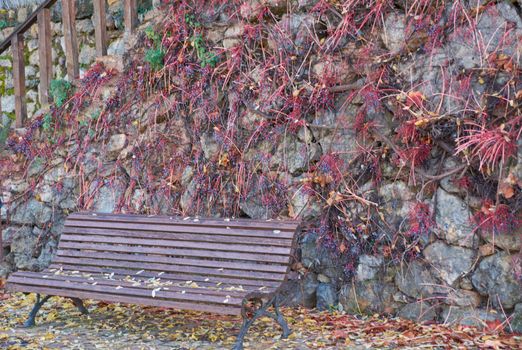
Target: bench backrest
[[239, 252]]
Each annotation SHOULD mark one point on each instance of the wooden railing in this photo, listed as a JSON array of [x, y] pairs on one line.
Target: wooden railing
[[42, 16]]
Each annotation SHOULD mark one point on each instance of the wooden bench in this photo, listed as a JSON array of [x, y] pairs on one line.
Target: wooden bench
[[225, 266]]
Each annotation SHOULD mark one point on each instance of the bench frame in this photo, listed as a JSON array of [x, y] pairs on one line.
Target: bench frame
[[254, 305]]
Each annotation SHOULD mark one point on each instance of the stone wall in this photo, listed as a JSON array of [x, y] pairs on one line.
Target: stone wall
[[382, 235]]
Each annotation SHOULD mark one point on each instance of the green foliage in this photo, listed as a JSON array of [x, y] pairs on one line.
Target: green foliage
[[144, 7], [152, 35], [47, 122], [205, 57], [60, 90], [155, 55], [190, 19], [155, 58], [5, 24]]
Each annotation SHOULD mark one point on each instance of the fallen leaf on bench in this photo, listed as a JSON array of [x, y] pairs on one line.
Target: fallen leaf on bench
[[95, 283], [119, 287], [154, 291], [233, 288], [226, 300], [140, 272], [182, 292], [161, 273], [207, 279], [196, 220], [277, 231], [45, 276], [185, 219], [221, 269]]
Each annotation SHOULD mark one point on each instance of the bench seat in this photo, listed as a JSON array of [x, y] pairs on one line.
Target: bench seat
[[209, 265]]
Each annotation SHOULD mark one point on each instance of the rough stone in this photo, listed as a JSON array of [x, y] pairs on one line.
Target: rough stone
[[9, 233], [317, 258], [108, 197], [396, 198], [516, 319], [300, 292], [295, 155], [368, 267], [368, 297], [45, 194], [23, 245], [15, 186], [295, 30], [8, 103], [116, 48], [509, 241], [116, 145], [494, 278], [449, 262], [209, 146], [327, 296], [303, 204], [87, 55], [85, 26], [188, 196], [416, 280], [32, 212], [469, 316], [463, 298], [453, 220], [419, 312], [394, 33]]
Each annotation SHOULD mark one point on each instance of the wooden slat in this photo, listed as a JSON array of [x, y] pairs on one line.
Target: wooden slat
[[236, 265], [130, 13], [17, 44], [180, 228], [100, 27], [71, 40], [177, 244], [44, 52], [278, 259], [226, 310], [23, 27], [203, 280], [283, 225], [185, 236], [99, 280], [190, 295], [189, 270]]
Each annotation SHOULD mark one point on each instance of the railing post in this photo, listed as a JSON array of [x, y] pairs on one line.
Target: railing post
[[71, 39], [44, 51], [130, 13], [100, 27], [17, 45]]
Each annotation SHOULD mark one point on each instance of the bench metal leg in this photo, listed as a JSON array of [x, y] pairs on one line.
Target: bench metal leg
[[37, 306], [262, 310], [79, 304]]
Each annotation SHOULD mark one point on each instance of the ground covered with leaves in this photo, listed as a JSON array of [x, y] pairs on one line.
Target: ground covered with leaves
[[60, 326]]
